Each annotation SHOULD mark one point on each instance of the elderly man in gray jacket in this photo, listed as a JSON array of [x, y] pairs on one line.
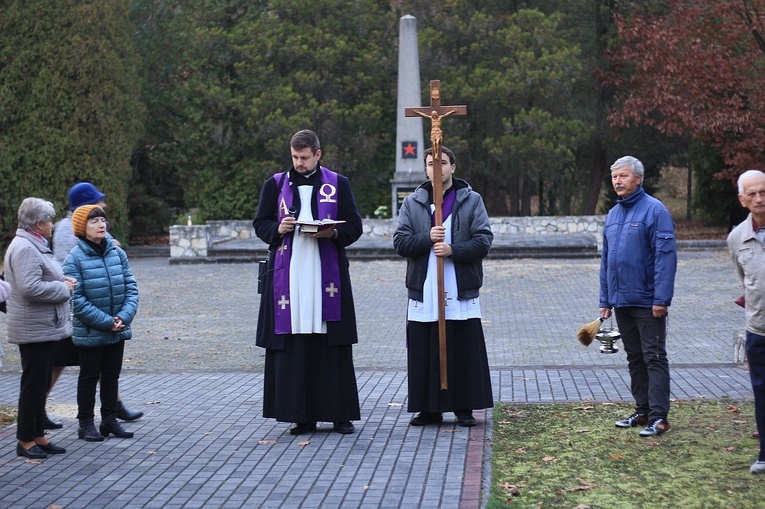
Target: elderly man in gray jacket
[[463, 241], [745, 244]]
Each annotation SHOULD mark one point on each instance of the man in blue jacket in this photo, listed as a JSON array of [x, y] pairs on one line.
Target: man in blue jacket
[[637, 280]]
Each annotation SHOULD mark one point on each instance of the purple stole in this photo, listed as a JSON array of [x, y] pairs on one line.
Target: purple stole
[[330, 266], [446, 206]]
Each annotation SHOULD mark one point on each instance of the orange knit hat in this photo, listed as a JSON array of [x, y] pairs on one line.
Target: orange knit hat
[[80, 219]]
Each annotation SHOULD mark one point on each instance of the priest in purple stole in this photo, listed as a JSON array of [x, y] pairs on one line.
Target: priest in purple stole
[[307, 320], [463, 241]]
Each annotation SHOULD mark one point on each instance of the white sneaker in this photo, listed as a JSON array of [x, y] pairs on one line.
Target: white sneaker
[[758, 467]]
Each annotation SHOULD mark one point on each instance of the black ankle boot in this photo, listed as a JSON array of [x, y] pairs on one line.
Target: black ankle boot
[[88, 431], [126, 414], [110, 424], [48, 424]]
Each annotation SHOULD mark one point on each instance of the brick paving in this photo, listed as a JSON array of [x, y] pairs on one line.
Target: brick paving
[[194, 369]]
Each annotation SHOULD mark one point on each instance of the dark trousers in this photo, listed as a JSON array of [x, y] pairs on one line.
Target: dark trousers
[[645, 342], [755, 355], [104, 362], [36, 363]]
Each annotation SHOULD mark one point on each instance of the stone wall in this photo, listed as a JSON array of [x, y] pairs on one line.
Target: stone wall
[[194, 241]]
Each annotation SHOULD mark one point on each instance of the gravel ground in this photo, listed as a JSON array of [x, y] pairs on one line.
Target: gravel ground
[[203, 317]]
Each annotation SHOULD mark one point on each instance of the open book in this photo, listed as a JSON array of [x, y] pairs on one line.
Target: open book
[[317, 225]]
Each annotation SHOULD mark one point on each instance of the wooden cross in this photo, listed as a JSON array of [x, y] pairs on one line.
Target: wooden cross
[[435, 112]]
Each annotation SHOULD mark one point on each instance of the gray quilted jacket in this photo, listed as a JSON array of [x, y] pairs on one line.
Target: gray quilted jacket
[[38, 309]]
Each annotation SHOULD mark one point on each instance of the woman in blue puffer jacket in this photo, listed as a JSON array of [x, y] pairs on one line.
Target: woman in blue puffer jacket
[[104, 303]]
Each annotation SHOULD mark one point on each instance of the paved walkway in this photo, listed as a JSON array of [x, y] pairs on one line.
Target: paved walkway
[[194, 370]]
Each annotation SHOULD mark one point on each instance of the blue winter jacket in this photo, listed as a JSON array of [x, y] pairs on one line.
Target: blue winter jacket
[[105, 288], [639, 257]]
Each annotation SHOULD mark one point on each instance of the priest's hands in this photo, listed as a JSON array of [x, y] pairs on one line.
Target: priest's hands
[[442, 249], [437, 236], [327, 233], [287, 225]]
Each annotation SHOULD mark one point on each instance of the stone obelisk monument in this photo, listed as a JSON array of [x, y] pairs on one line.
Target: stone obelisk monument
[[410, 169]]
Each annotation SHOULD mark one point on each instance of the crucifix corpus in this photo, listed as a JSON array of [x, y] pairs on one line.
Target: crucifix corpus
[[435, 112]]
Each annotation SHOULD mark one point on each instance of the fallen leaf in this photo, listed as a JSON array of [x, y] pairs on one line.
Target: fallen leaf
[[582, 431], [733, 409], [607, 403], [730, 448], [153, 402], [522, 450], [582, 506], [616, 457], [32, 462], [268, 442], [365, 487], [452, 431], [395, 404], [589, 407], [150, 452], [303, 444], [55, 506], [584, 486], [548, 458]]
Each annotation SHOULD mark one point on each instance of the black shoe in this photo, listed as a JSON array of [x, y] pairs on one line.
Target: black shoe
[[656, 428], [52, 449], [88, 431], [424, 418], [110, 424], [33, 452], [465, 418], [48, 424], [345, 428], [301, 428], [126, 414], [636, 419]]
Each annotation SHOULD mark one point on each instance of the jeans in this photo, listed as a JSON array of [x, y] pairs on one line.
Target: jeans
[[755, 356], [36, 363], [645, 342], [104, 362]]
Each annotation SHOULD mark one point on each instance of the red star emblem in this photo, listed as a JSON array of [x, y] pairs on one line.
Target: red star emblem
[[409, 150]]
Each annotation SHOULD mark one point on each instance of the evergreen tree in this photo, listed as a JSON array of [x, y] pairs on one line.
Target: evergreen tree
[[240, 77], [70, 105]]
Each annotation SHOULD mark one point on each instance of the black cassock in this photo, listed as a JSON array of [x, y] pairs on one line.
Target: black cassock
[[468, 379], [309, 377]]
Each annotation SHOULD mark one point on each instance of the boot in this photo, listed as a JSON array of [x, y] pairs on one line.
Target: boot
[[126, 414], [110, 424], [48, 424], [88, 431]]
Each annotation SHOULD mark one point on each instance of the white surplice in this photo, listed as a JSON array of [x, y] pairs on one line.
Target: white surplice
[[305, 275], [427, 311]]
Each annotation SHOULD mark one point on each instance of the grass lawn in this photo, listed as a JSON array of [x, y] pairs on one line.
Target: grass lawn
[[572, 456], [7, 416]]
